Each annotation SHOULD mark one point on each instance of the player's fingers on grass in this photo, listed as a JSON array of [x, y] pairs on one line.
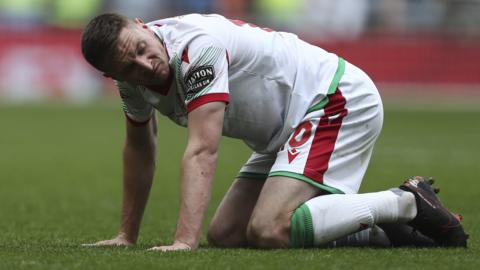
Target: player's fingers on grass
[[169, 248], [158, 249], [112, 242]]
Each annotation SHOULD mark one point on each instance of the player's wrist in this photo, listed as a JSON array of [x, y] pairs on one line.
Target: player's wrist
[[127, 237], [186, 239], [184, 245]]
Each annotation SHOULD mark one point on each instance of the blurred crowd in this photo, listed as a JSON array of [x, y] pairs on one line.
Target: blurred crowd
[[31, 69], [326, 18]]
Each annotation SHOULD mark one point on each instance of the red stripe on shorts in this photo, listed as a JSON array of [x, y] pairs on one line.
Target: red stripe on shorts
[[325, 137]]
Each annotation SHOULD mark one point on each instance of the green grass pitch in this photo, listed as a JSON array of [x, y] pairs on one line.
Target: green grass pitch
[[60, 186]]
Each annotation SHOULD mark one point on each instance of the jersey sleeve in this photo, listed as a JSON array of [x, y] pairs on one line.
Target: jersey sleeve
[[206, 74], [136, 109]]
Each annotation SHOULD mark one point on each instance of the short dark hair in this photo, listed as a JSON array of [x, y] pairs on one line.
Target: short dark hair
[[100, 36]]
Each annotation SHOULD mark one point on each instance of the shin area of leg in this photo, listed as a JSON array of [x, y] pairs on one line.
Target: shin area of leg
[[330, 217]]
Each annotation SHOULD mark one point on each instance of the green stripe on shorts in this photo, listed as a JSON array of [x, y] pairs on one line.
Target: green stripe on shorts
[[332, 88], [303, 178], [338, 75]]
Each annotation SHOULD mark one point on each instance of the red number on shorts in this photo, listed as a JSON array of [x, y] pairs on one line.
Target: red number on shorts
[[242, 23], [306, 128]]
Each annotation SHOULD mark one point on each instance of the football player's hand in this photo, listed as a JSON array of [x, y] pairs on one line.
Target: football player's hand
[[176, 246], [120, 240]]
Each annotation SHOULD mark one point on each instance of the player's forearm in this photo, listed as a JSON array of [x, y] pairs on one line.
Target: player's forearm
[[138, 171], [197, 177]]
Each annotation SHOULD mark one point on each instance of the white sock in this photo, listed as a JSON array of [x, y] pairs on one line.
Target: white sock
[[371, 237], [338, 215]]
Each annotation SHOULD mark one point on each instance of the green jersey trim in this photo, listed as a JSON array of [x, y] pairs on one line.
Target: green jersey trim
[[303, 178], [332, 88]]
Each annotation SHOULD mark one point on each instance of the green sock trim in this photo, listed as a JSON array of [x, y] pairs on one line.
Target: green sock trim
[[301, 228], [303, 178], [253, 176]]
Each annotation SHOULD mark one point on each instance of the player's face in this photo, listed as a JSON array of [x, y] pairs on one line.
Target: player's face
[[141, 59]]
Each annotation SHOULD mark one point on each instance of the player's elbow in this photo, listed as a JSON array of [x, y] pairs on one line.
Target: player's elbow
[[202, 153], [202, 160]]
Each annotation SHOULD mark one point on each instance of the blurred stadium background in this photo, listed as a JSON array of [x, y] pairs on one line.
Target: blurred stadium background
[[420, 48]]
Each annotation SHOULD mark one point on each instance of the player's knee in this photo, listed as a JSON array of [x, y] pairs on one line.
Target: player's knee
[[220, 235], [214, 236], [268, 233]]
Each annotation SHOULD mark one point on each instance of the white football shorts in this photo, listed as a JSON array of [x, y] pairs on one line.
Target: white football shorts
[[331, 147]]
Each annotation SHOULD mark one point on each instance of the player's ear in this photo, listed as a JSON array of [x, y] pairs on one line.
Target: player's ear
[[139, 22], [144, 26]]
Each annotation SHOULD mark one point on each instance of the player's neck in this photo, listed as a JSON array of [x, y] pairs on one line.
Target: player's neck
[[164, 88]]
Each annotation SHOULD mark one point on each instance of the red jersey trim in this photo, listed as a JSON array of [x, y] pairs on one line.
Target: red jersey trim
[[136, 123], [185, 56], [222, 97]]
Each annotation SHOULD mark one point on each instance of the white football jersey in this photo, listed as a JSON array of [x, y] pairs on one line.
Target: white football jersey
[[269, 79]]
